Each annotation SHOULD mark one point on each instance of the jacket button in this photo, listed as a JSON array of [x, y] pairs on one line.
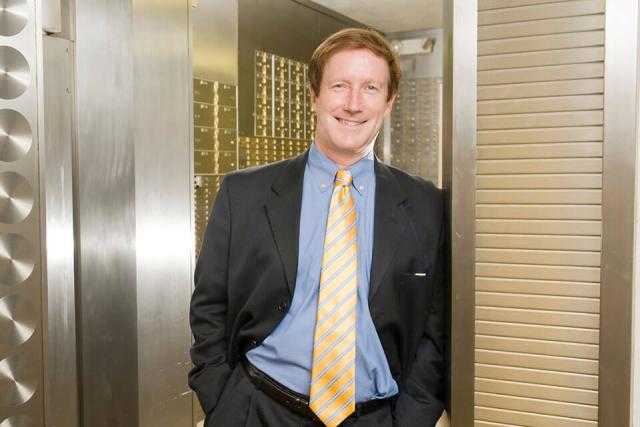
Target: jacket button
[[253, 343], [283, 306]]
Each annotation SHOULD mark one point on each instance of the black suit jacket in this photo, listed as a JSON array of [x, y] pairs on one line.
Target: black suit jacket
[[245, 278]]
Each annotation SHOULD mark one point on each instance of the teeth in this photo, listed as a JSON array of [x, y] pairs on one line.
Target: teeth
[[349, 122]]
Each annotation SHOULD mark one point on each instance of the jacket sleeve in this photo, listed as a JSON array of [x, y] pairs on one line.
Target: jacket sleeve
[[420, 401], [209, 307]]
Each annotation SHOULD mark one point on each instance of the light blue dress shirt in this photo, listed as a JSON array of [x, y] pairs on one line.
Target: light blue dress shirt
[[286, 354]]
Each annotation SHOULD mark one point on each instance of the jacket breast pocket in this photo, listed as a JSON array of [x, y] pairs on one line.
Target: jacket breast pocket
[[414, 292]]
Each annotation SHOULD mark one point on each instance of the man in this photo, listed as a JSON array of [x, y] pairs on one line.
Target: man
[[319, 297]]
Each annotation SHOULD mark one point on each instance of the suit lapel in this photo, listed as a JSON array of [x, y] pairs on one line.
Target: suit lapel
[[389, 224], [283, 210]]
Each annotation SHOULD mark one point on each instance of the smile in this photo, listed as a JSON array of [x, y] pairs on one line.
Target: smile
[[350, 122]]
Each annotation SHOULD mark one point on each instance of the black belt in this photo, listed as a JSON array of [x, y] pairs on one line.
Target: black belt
[[297, 402]]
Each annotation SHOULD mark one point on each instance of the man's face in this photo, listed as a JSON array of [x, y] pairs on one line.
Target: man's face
[[351, 104]]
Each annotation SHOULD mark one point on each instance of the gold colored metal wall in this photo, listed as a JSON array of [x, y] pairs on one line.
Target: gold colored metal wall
[[538, 212]]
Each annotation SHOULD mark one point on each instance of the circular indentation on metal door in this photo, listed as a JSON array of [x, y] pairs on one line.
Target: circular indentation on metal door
[[18, 421], [13, 16], [17, 318], [16, 259], [18, 380], [16, 198], [14, 73], [15, 135]]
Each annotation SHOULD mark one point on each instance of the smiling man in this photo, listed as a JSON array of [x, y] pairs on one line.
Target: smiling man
[[319, 295]]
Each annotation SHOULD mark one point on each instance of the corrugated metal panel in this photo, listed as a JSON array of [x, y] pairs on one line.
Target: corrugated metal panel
[[539, 11], [538, 212], [536, 43], [540, 181], [577, 228], [541, 27], [541, 74]]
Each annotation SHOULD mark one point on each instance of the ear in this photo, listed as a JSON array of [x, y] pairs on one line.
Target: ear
[[313, 97], [389, 105]]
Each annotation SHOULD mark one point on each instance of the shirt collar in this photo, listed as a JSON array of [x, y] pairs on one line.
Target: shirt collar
[[324, 170]]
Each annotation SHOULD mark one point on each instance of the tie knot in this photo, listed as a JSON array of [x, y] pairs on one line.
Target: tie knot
[[344, 177]]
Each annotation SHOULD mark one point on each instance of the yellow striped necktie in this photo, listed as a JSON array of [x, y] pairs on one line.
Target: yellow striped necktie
[[332, 394]]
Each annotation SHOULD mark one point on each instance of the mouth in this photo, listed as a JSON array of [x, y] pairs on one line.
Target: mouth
[[350, 123]]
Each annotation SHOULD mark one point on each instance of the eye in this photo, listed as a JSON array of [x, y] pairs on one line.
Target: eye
[[339, 86], [372, 87]]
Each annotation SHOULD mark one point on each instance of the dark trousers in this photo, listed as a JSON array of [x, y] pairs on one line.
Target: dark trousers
[[242, 405]]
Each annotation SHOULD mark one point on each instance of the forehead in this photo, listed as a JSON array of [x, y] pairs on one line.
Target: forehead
[[360, 63]]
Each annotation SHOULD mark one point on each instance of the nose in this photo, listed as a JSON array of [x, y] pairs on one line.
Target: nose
[[353, 102]]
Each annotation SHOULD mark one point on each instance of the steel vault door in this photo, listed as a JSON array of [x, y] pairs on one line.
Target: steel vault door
[[21, 340]]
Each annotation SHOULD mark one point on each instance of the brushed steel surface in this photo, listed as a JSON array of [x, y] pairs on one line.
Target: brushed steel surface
[[18, 380], [15, 135], [21, 370], [619, 200], [163, 181], [15, 75], [51, 16], [214, 27], [18, 421], [106, 213], [13, 16], [17, 258], [459, 147], [16, 198], [17, 319], [61, 380]]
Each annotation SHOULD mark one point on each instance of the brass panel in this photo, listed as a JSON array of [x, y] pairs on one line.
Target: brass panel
[[543, 11], [202, 91], [562, 394], [535, 376], [540, 406], [540, 181], [226, 162], [538, 287], [538, 89], [544, 257], [568, 134], [524, 241], [540, 74], [203, 138], [540, 27], [538, 272], [226, 139], [540, 120], [554, 333], [536, 43], [533, 346], [538, 317], [204, 162], [562, 197], [537, 59], [203, 114], [224, 117], [529, 419], [571, 305], [530, 226], [225, 94], [554, 150], [488, 167]]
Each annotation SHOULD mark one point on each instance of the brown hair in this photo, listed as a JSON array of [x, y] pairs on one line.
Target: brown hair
[[354, 38]]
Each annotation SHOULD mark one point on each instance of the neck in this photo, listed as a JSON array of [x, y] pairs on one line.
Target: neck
[[344, 160]]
